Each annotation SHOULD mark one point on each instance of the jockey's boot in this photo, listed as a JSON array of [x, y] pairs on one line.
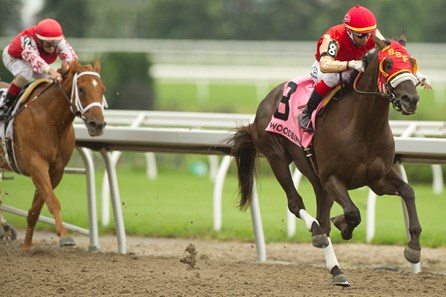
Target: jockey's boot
[[305, 116], [9, 99], [13, 92]]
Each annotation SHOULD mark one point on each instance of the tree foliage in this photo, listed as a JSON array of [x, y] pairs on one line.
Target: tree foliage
[[72, 15], [214, 19], [229, 19], [10, 22], [129, 85]]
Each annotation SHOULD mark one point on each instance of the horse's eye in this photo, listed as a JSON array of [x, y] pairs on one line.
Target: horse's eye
[[388, 64], [81, 91]]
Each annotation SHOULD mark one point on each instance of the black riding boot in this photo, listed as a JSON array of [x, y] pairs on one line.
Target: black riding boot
[[305, 116], [9, 99]]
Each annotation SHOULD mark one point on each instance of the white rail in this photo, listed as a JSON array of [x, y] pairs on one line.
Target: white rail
[[209, 134]]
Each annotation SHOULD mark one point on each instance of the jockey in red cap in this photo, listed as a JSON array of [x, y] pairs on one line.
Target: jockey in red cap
[[30, 54], [339, 51]]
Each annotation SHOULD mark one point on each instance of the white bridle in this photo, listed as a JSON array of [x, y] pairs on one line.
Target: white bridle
[[75, 96]]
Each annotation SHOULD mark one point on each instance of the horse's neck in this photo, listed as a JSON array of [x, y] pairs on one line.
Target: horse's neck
[[369, 111], [58, 108]]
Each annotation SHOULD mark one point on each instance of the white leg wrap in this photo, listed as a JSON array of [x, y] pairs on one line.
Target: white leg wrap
[[305, 216], [330, 257]]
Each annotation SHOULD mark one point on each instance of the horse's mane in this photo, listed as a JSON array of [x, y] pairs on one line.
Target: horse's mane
[[74, 67], [369, 56]]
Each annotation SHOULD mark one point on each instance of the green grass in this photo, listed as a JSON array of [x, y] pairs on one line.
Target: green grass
[[179, 204], [230, 98]]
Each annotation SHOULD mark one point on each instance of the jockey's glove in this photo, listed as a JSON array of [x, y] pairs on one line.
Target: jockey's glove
[[423, 80], [356, 64]]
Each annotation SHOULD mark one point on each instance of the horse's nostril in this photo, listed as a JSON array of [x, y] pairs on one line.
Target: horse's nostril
[[410, 100], [405, 98], [96, 126]]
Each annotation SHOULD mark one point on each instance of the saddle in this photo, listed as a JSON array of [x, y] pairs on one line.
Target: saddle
[[6, 127], [295, 97], [22, 98], [284, 121]]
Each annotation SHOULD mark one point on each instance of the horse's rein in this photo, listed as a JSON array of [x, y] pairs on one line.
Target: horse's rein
[[395, 102], [355, 87], [31, 100]]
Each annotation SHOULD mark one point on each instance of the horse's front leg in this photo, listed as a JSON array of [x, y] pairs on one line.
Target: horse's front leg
[[393, 184], [351, 218], [33, 216], [44, 187], [324, 204]]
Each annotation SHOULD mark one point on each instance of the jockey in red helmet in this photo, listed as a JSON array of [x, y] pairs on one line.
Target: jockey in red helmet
[[30, 54], [49, 29], [339, 51]]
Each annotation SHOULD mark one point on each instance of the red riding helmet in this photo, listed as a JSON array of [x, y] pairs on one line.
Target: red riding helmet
[[360, 20], [49, 29]]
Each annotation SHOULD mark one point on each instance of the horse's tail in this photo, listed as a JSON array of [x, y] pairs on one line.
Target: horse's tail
[[244, 153]]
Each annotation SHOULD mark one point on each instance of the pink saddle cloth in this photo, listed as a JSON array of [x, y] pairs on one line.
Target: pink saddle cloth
[[285, 121]]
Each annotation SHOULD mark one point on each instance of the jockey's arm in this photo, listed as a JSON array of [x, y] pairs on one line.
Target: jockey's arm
[[65, 51], [32, 56], [379, 35], [328, 51]]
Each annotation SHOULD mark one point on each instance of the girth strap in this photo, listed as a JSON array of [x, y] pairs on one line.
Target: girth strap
[[9, 146], [311, 158]]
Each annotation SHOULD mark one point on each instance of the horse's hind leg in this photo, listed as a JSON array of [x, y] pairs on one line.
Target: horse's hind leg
[[280, 166]]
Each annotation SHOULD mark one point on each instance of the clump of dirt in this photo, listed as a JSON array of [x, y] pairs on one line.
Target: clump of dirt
[[190, 257]]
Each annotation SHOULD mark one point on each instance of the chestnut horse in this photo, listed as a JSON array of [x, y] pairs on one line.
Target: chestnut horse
[[43, 139], [353, 147]]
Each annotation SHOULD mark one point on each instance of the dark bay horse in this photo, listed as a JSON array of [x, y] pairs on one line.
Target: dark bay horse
[[353, 147], [43, 139]]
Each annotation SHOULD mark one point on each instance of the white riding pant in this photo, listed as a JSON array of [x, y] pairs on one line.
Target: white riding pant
[[20, 67], [330, 79]]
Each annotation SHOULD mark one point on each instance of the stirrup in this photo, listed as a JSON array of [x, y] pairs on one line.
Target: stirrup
[[309, 128], [3, 114], [304, 120]]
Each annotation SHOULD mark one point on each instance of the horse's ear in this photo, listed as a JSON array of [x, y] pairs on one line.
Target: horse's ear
[[74, 65], [402, 39], [97, 66], [65, 67], [380, 43]]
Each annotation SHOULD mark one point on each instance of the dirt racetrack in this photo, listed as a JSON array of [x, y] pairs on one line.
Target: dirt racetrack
[[163, 267]]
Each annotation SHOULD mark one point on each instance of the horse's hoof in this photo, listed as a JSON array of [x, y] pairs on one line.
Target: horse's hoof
[[341, 224], [412, 255], [340, 280], [8, 232], [320, 241], [67, 241]]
